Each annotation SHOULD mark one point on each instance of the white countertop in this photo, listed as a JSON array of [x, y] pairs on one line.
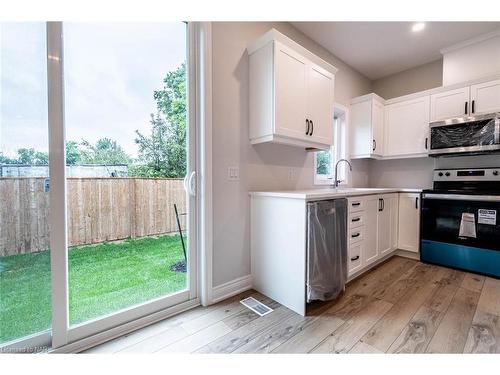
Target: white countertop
[[317, 194]]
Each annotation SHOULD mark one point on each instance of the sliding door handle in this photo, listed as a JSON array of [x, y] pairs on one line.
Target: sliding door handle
[[190, 184]]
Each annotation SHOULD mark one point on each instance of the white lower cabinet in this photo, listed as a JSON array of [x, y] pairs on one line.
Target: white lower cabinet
[[409, 222], [377, 235]]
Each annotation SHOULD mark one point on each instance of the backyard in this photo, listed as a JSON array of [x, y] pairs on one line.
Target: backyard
[[103, 278]]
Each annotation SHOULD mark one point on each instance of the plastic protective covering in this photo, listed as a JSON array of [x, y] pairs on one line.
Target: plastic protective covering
[[477, 133], [326, 249]]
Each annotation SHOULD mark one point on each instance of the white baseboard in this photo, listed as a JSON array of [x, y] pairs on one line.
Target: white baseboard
[[231, 288], [408, 254]]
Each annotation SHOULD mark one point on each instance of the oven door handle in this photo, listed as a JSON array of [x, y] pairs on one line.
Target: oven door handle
[[462, 197]]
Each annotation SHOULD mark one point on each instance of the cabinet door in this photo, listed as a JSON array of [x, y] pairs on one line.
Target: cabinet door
[[384, 225], [369, 245], [486, 97], [409, 222], [449, 104], [360, 130], [407, 128], [290, 92], [320, 104], [377, 128]]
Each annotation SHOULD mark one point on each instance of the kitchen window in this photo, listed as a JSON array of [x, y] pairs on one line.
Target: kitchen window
[[324, 161]]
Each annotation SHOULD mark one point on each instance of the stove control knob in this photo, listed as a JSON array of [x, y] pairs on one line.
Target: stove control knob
[[495, 173], [440, 174], [447, 174]]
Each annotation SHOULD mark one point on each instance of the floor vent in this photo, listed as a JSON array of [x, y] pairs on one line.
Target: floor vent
[[256, 306]]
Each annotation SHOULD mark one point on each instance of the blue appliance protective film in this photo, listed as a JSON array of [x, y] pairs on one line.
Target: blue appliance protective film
[[468, 258]]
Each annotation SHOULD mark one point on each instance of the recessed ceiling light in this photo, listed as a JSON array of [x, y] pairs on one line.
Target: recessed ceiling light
[[419, 26]]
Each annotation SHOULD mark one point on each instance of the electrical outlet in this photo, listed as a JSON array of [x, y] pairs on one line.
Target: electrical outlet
[[233, 173]]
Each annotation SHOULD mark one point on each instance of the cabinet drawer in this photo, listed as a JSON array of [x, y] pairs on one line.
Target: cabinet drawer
[[356, 219], [356, 235], [354, 258], [356, 204]]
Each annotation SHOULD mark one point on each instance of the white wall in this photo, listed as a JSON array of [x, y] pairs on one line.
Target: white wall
[[420, 78], [472, 61], [401, 173], [261, 166]]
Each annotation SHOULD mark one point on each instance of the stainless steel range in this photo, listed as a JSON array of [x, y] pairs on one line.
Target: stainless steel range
[[460, 225]]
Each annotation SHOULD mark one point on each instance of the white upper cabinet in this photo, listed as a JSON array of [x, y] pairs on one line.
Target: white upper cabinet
[[466, 101], [449, 104], [320, 104], [485, 97], [366, 132], [406, 130], [291, 94]]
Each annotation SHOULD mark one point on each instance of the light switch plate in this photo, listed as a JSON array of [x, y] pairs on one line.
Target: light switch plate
[[233, 173]]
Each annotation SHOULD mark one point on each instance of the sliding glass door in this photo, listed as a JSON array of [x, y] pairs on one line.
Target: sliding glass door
[[25, 287], [123, 190]]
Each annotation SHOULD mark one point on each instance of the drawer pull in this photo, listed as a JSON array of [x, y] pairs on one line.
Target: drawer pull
[[354, 258], [356, 219], [355, 204], [355, 235]]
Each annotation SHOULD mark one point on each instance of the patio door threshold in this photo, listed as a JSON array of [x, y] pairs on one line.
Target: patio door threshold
[[80, 341]]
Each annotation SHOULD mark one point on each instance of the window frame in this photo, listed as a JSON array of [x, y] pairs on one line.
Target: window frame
[[339, 150]]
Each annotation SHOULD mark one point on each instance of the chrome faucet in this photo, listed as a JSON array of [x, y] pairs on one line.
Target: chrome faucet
[[336, 181]]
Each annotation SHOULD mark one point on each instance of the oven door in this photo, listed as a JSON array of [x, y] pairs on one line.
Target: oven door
[[472, 136], [470, 241]]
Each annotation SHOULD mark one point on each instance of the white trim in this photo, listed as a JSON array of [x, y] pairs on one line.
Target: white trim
[[231, 288], [192, 142], [469, 42], [57, 173], [322, 181], [126, 328], [274, 35], [203, 31], [364, 98], [407, 254], [117, 318]]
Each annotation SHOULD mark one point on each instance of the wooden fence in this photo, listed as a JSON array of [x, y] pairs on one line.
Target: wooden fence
[[99, 210]]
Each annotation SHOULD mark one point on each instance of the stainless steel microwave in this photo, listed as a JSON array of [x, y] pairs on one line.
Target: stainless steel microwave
[[465, 135]]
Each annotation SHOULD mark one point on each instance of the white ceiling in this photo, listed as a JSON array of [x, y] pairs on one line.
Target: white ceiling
[[378, 49]]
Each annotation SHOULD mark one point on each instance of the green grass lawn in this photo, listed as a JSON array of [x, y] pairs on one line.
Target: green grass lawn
[[103, 278]]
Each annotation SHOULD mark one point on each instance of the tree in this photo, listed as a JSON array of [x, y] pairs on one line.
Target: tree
[[323, 162], [29, 156], [6, 160], [163, 152], [105, 151], [73, 155]]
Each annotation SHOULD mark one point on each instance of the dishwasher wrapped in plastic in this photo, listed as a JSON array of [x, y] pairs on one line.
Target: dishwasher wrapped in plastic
[[326, 249]]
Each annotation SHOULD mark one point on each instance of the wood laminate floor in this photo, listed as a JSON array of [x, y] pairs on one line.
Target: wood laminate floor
[[401, 306]]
